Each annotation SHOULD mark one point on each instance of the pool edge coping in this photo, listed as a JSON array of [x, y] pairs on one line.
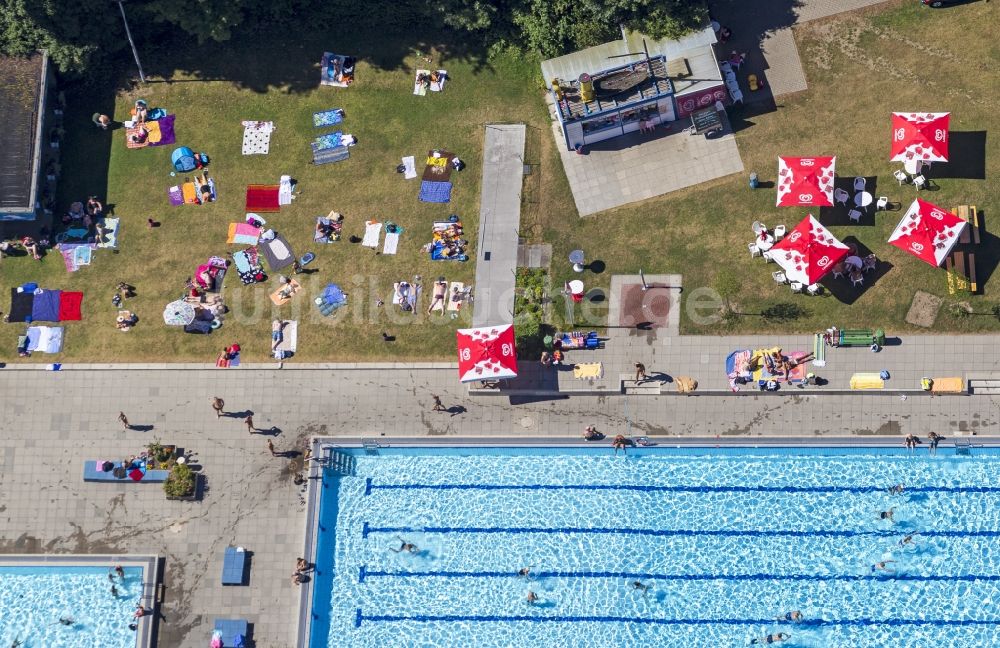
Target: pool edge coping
[[145, 635]]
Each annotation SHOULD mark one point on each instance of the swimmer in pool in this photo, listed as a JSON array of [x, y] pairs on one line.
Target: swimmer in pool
[[114, 591], [532, 598], [794, 616], [66, 621], [884, 566], [524, 571], [907, 540], [886, 515], [896, 490], [406, 546], [772, 638], [637, 585]]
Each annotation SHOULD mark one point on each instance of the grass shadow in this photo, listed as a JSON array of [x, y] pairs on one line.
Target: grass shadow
[[967, 150], [841, 287]]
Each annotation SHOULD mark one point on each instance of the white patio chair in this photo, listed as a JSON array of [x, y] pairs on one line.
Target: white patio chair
[[854, 215], [857, 279], [779, 277], [813, 289], [869, 263], [758, 227], [919, 182], [796, 287], [767, 257], [754, 250], [859, 183], [779, 232], [841, 196], [901, 176], [838, 270], [883, 203]]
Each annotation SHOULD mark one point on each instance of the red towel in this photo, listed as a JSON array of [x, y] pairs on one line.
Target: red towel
[[69, 306], [262, 198]]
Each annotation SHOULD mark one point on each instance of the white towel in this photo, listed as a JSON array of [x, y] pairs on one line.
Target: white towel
[[257, 137], [372, 233], [455, 305], [411, 167], [289, 336], [391, 242], [285, 196], [438, 86], [45, 339]]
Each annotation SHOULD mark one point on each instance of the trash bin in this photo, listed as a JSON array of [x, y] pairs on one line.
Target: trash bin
[[879, 337], [753, 181]]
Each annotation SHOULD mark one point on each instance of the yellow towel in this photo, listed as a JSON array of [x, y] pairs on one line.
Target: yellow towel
[[190, 193], [953, 385], [588, 370], [867, 381]]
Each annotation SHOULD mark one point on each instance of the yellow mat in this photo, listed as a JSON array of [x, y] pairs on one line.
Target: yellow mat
[[588, 370], [867, 381], [953, 385]]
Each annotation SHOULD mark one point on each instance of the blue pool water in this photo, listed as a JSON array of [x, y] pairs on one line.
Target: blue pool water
[[725, 543], [33, 599]]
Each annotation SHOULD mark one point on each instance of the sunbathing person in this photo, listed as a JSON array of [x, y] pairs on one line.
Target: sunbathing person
[[403, 292], [94, 207], [139, 136], [277, 333], [440, 291], [31, 246], [204, 188], [140, 111]]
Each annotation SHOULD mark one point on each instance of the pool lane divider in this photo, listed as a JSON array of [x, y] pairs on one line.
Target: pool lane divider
[[367, 530], [360, 618], [642, 488], [364, 573]]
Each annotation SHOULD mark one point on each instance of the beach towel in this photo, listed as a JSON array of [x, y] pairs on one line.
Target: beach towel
[[190, 193], [412, 295], [248, 266], [438, 169], [45, 339], [454, 305], [278, 253], [262, 198], [69, 257], [161, 131], [70, 306], [285, 196], [420, 89], [328, 117], [588, 370], [435, 192], [373, 230], [819, 350], [410, 167], [391, 243], [867, 381], [21, 305], [257, 137], [45, 308], [279, 299], [129, 132], [328, 141], [82, 255], [289, 339], [243, 234], [796, 375], [110, 240], [175, 195]]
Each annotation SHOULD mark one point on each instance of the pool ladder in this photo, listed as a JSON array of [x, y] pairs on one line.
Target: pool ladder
[[371, 447], [963, 447], [341, 463]]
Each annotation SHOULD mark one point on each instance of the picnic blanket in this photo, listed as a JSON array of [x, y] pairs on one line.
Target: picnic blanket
[[248, 266], [257, 137], [289, 339], [45, 339], [263, 198], [373, 230], [331, 299], [438, 169], [391, 243], [130, 132], [421, 89], [285, 187], [411, 296], [795, 376], [175, 195], [70, 306], [279, 299], [243, 234], [328, 117], [319, 237], [456, 295], [278, 253], [69, 253], [328, 141], [45, 307], [161, 131], [110, 239], [410, 167], [336, 70], [435, 192], [20, 305]]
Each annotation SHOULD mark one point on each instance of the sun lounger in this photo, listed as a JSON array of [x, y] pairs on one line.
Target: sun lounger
[[373, 230], [289, 339], [867, 381], [278, 296], [391, 243], [453, 305], [234, 562], [410, 167]]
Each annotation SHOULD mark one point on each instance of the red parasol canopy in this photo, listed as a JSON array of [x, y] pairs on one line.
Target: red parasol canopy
[[928, 232], [921, 136], [486, 353], [808, 252], [805, 181]]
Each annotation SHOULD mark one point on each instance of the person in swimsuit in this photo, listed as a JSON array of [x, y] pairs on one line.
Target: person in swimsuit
[[772, 638], [440, 292], [524, 571], [532, 598], [886, 515], [406, 546], [794, 616], [935, 438], [907, 540], [883, 566], [896, 490]]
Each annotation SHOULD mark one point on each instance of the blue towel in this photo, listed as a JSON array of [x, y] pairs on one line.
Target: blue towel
[[45, 308], [435, 192], [328, 117], [328, 141]]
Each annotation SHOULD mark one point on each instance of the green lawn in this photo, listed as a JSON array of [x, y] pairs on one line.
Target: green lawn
[[860, 67], [280, 84]]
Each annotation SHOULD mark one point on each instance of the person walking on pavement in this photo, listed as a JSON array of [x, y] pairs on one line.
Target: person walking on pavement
[[438, 406], [217, 405], [249, 421], [640, 372], [124, 421], [270, 446]]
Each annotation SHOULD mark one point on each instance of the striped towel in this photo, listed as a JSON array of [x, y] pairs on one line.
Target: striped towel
[[819, 350]]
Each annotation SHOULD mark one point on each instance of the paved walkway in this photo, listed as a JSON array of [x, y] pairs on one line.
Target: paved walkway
[[499, 224]]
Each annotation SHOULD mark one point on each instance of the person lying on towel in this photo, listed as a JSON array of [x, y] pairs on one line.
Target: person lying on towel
[[204, 189], [403, 291], [277, 331]]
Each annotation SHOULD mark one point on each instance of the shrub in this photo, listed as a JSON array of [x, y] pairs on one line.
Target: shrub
[[180, 482]]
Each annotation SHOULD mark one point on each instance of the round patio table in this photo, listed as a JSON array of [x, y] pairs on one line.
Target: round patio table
[[853, 262], [576, 258], [862, 199], [765, 244], [912, 166]]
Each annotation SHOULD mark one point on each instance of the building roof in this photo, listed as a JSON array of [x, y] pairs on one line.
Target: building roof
[[638, 88], [21, 89]]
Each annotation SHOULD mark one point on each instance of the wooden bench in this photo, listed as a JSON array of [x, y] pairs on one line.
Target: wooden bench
[[969, 214], [961, 269], [984, 386]]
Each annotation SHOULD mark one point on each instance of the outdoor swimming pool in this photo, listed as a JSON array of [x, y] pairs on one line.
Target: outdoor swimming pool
[[725, 541], [34, 598]]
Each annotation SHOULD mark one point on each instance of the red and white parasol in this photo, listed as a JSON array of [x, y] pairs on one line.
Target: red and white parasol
[[486, 353], [805, 181], [928, 232], [808, 252], [920, 136]]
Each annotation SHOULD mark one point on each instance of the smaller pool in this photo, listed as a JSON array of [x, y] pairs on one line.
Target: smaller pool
[[34, 598]]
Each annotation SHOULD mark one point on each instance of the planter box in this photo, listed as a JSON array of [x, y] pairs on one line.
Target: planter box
[[193, 497]]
